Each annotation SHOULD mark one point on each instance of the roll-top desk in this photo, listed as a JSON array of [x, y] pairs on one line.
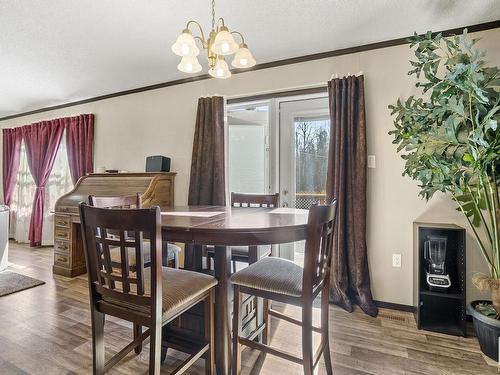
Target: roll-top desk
[[156, 188]]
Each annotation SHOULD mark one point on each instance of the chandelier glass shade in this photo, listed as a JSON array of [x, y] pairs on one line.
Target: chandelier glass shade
[[185, 45], [189, 64], [220, 43]]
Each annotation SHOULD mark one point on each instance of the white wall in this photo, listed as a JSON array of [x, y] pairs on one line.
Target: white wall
[[129, 128]]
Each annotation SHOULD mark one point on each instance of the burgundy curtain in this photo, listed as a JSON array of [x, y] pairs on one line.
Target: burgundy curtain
[[346, 182], [206, 185], [10, 163], [42, 141], [80, 145]]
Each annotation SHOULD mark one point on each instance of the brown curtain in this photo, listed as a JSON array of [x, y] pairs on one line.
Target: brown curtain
[[206, 185], [346, 182]]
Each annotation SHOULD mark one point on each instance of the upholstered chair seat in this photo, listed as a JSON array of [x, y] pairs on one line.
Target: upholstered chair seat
[[179, 289], [275, 275]]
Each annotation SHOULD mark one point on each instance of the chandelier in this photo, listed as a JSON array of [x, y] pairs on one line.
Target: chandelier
[[220, 43]]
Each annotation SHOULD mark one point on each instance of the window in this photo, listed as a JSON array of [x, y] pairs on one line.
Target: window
[[248, 149], [312, 137], [58, 184]]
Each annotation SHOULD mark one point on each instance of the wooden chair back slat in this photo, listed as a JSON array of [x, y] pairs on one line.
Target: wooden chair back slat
[[318, 247], [105, 254], [139, 263], [124, 264], [254, 200]]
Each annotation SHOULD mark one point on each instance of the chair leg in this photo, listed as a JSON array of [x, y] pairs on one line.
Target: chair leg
[[155, 350], [137, 334], [259, 316], [236, 365], [307, 344], [98, 342], [253, 256], [209, 333], [266, 333], [324, 329], [234, 266], [164, 350], [176, 260]]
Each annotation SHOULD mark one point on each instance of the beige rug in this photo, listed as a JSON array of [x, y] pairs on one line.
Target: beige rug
[[11, 282]]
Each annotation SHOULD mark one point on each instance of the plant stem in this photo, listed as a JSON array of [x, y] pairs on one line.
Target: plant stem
[[493, 268], [476, 205], [494, 195]]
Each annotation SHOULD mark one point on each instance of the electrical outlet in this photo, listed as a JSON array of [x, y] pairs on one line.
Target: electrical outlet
[[396, 260], [371, 161]]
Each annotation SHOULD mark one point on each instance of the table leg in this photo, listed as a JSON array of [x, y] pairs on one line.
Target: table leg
[[223, 307]]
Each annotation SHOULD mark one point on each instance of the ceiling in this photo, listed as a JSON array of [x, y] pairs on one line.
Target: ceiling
[[58, 51]]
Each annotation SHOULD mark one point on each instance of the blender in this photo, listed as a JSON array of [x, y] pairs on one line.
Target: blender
[[435, 254]]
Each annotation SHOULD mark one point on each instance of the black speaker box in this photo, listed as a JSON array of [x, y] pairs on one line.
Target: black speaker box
[[157, 163]]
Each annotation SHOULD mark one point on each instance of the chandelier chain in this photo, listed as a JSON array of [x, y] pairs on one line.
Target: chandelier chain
[[213, 14]]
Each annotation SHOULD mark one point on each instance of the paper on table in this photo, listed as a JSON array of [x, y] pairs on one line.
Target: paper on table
[[288, 210], [193, 213]]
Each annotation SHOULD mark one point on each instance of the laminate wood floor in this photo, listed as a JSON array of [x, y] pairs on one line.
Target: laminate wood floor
[[46, 330]]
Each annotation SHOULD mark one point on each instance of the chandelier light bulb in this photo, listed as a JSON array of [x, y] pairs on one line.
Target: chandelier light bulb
[[220, 70], [189, 64], [185, 45], [224, 43], [243, 58]]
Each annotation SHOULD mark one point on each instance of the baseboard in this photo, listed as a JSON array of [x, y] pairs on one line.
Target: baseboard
[[395, 306]]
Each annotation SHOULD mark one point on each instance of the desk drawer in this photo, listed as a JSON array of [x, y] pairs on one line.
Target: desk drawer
[[62, 221], [61, 259], [62, 233], [62, 247]]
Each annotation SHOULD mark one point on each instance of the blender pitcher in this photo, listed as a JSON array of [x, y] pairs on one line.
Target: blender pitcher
[[435, 255]]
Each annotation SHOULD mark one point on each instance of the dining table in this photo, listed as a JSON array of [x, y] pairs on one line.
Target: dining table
[[223, 227]]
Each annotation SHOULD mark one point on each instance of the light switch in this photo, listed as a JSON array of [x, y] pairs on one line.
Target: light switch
[[371, 161]]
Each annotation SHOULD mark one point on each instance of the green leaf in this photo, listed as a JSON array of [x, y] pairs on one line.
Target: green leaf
[[491, 124], [468, 157], [488, 310]]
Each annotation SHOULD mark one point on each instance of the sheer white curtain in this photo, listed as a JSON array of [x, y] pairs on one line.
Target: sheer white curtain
[[58, 184]]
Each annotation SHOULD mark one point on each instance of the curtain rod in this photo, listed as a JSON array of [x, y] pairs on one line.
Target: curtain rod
[[277, 94], [335, 75]]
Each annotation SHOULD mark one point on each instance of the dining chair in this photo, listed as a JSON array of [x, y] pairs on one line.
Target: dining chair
[[149, 297], [247, 254], [277, 279], [170, 252]]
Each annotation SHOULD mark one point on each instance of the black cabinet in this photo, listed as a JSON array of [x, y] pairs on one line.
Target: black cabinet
[[441, 310]]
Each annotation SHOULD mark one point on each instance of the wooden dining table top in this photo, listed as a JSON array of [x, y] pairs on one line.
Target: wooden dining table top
[[232, 218], [221, 225]]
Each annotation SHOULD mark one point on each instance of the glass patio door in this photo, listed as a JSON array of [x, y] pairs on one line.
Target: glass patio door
[[304, 135]]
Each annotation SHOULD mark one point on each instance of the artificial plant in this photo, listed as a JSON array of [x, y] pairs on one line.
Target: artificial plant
[[449, 137]]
